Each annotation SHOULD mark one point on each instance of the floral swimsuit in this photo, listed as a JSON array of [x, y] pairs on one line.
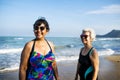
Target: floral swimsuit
[[40, 66]]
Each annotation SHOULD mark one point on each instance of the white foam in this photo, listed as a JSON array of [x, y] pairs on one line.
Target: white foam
[[18, 38], [4, 51], [64, 58], [59, 59], [106, 52], [104, 39], [9, 69], [106, 45]]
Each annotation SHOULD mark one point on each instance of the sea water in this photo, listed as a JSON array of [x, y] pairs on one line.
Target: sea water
[[66, 49]]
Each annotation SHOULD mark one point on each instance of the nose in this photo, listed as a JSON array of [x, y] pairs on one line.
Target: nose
[[39, 29]]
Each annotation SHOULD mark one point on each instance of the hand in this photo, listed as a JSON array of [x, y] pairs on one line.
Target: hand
[[58, 78], [76, 78]]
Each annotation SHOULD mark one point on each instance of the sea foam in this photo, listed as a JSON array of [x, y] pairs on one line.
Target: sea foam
[[14, 50]]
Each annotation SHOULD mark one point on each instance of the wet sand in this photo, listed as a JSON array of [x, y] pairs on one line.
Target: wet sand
[[109, 69]]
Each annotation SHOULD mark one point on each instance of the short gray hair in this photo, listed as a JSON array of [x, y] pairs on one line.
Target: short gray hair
[[92, 32]]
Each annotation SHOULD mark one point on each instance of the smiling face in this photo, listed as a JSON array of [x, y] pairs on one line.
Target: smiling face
[[85, 37], [40, 31]]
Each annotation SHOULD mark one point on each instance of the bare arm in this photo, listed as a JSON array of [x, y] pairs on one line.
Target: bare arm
[[24, 60], [95, 62], [54, 65], [78, 66], [77, 71]]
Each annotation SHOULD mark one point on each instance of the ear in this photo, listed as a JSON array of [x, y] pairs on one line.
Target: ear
[[47, 30], [91, 39], [34, 31]]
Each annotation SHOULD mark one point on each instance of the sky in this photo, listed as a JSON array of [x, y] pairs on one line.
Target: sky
[[66, 18]]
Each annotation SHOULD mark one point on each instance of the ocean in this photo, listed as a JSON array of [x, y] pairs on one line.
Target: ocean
[[66, 49]]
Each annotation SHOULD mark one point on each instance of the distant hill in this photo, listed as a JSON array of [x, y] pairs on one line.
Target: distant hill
[[112, 34]]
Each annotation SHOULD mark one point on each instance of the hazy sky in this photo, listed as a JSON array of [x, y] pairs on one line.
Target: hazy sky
[[65, 17]]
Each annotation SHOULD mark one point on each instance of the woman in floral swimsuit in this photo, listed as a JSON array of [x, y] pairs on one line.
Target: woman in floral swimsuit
[[37, 58]]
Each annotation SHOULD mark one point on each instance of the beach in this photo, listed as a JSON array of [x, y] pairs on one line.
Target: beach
[[109, 69]]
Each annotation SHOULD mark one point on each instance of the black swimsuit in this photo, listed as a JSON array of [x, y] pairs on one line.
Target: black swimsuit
[[86, 68]]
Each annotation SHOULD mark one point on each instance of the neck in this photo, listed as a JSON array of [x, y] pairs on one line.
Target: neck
[[88, 46], [40, 39]]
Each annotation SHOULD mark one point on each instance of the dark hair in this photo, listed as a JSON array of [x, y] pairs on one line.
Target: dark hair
[[41, 20]]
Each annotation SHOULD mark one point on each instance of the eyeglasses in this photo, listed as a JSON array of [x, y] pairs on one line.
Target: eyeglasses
[[84, 36], [41, 28]]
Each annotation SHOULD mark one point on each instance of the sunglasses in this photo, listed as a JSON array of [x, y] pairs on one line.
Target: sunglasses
[[41, 28], [84, 36]]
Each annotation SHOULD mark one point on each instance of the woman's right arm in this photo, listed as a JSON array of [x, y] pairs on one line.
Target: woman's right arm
[[77, 71], [24, 60]]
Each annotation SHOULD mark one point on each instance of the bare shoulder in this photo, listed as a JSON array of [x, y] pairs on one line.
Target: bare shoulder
[[25, 53], [94, 58], [29, 44], [94, 53], [51, 44], [28, 47]]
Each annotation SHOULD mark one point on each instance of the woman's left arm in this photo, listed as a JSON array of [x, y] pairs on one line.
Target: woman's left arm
[[54, 65], [95, 62]]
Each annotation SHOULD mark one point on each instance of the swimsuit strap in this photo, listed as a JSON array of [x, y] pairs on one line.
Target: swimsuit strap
[[90, 51], [32, 47], [28, 63], [48, 44], [31, 51]]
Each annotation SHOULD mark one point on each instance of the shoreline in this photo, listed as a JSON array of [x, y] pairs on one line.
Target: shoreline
[[109, 69]]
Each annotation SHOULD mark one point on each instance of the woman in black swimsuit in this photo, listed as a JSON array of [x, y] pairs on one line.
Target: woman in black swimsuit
[[88, 63]]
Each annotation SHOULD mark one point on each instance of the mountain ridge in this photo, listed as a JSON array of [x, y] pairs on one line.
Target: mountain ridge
[[112, 34]]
